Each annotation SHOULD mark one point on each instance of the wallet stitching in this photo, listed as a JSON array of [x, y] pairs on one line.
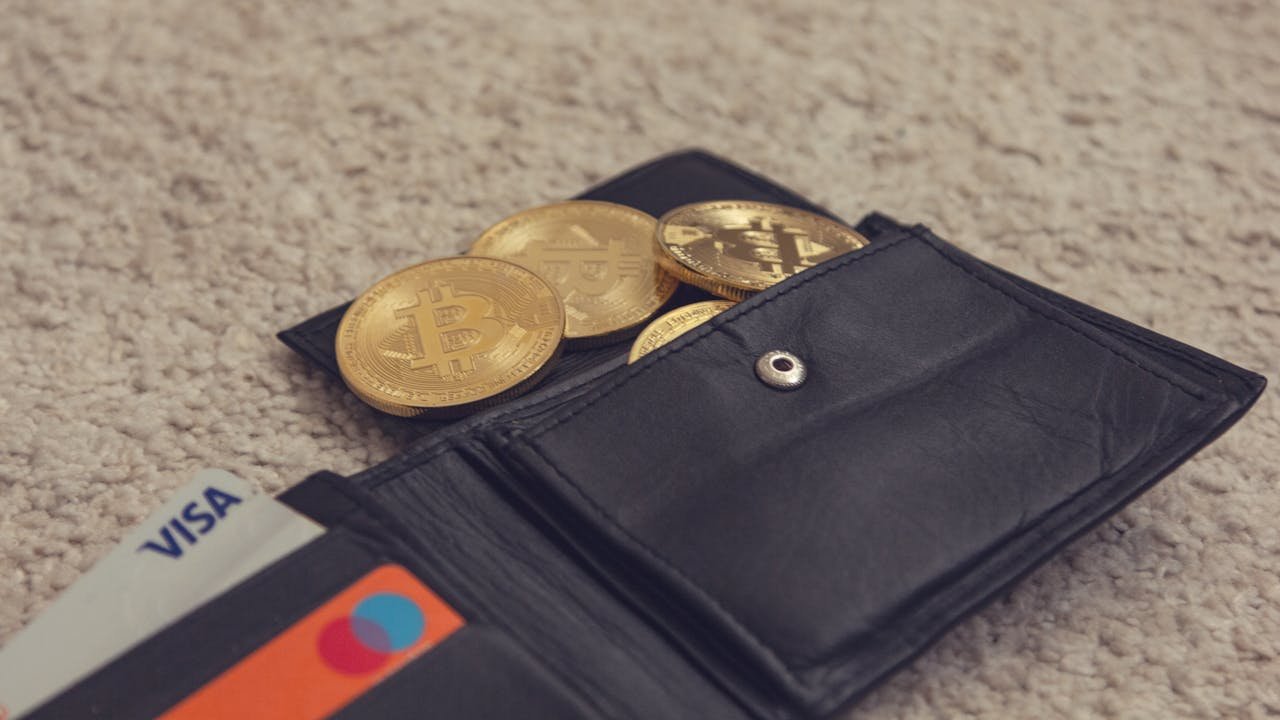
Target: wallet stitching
[[1164, 346], [678, 347], [930, 243], [1094, 316]]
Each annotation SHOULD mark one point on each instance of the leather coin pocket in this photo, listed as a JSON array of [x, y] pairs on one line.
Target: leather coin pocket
[[953, 430]]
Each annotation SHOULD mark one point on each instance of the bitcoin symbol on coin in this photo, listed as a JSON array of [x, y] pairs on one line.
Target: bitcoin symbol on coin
[[593, 268], [459, 326], [772, 246], [598, 255], [450, 336]]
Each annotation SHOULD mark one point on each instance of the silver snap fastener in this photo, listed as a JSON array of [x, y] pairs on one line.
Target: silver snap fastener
[[780, 369]]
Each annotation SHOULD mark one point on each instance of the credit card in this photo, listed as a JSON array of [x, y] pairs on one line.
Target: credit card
[[330, 657], [213, 533]]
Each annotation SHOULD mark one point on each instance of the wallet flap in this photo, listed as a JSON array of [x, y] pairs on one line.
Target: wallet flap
[[954, 430]]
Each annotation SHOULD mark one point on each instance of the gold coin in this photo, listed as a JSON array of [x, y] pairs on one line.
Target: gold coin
[[733, 248], [672, 325], [449, 336], [598, 255]]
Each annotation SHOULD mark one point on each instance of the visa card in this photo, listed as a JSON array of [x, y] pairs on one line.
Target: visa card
[[330, 657]]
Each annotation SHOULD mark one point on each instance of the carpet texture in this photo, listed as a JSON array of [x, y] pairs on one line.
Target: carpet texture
[[179, 180]]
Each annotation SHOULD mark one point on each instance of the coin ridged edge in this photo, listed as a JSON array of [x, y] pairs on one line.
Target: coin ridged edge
[[634, 354], [688, 275]]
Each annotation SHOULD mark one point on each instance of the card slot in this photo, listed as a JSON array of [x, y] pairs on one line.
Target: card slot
[[450, 511], [478, 672], [161, 670], [938, 434]]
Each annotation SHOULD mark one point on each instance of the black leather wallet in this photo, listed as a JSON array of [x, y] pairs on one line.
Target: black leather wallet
[[674, 538]]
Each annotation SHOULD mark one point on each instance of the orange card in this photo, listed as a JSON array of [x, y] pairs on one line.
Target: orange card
[[332, 656]]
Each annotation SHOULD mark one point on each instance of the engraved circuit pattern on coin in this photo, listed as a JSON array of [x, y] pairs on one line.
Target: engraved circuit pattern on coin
[[733, 248], [599, 256], [449, 336], [673, 324]]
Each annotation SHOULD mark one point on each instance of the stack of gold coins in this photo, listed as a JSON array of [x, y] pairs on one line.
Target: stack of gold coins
[[449, 337], [452, 336]]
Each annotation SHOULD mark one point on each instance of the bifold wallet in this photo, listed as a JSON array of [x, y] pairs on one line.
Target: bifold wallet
[[676, 539]]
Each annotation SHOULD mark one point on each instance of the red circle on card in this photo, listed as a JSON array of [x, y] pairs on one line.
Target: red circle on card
[[342, 649]]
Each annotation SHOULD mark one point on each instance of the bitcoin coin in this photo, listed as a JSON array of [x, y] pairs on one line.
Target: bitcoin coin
[[450, 336], [598, 255], [673, 324], [733, 248]]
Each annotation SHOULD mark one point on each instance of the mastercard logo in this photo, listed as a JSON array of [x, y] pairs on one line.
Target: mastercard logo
[[364, 641], [338, 652]]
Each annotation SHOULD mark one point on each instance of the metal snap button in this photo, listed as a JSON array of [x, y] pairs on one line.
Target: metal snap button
[[780, 369]]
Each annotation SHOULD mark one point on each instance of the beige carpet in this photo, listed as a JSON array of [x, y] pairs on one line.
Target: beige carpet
[[179, 180]]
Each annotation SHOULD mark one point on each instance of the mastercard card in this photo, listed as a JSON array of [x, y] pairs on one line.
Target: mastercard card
[[333, 655]]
